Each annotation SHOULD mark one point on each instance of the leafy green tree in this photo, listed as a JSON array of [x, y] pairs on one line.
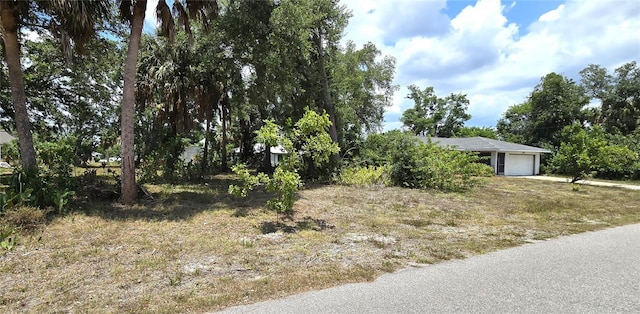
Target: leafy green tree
[[311, 133], [515, 125], [585, 152], [327, 22], [619, 96], [435, 116], [72, 21], [556, 102], [362, 88], [77, 99], [177, 92]]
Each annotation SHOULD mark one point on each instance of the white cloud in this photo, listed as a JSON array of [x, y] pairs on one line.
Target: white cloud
[[480, 53], [552, 15]]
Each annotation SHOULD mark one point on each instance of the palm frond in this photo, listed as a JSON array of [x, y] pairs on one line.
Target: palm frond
[[167, 26]]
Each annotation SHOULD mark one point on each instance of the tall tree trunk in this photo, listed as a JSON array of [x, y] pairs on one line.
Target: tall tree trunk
[[10, 28], [129, 191], [328, 104], [223, 149]]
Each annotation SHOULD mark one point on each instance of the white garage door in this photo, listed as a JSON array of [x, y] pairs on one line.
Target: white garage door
[[520, 165]]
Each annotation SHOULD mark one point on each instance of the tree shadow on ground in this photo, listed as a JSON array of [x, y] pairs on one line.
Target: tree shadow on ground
[[176, 202], [306, 223]]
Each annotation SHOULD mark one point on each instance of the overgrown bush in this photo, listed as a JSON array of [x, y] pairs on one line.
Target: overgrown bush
[[415, 164], [311, 133], [56, 163], [377, 150], [428, 166], [33, 189], [11, 152], [52, 185], [586, 151], [365, 176]]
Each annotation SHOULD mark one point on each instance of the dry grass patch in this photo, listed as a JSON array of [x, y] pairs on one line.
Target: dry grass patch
[[194, 248]]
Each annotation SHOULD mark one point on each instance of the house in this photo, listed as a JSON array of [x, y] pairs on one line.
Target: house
[[508, 159], [276, 153]]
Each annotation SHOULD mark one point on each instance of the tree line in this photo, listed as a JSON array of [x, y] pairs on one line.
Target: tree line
[[81, 76], [214, 71], [591, 126]]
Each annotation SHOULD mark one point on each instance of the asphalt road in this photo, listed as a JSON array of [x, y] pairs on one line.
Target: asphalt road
[[593, 272]]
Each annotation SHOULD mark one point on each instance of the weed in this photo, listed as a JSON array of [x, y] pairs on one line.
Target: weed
[[575, 187], [61, 199], [175, 279], [8, 238], [365, 176], [247, 242]]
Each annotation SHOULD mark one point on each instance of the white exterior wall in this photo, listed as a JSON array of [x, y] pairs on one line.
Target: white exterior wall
[[275, 159]]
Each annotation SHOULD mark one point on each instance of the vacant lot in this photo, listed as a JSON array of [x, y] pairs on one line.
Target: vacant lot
[[193, 248]]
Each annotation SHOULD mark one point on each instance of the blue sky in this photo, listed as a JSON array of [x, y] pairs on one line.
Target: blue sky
[[494, 51]]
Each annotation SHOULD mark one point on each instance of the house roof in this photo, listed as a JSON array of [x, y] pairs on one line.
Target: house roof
[[481, 144], [5, 137]]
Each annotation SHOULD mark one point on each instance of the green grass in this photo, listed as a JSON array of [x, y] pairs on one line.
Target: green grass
[[195, 249]]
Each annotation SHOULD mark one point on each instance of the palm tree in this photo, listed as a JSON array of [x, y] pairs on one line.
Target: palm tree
[[71, 21], [133, 12]]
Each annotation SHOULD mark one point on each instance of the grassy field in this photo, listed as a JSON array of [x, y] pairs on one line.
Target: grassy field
[[193, 248]]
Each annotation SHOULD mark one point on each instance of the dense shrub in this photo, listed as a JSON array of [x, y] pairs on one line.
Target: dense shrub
[[52, 185], [365, 176], [586, 151], [415, 164], [428, 166], [377, 149], [11, 152]]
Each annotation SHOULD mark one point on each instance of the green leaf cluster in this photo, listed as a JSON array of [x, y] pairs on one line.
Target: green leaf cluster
[[8, 238], [433, 115], [586, 151], [364, 176], [311, 133], [414, 164]]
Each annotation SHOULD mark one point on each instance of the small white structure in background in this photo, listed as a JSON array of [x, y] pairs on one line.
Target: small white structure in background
[[4, 139], [506, 158], [95, 155], [190, 152], [4, 164], [275, 155]]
